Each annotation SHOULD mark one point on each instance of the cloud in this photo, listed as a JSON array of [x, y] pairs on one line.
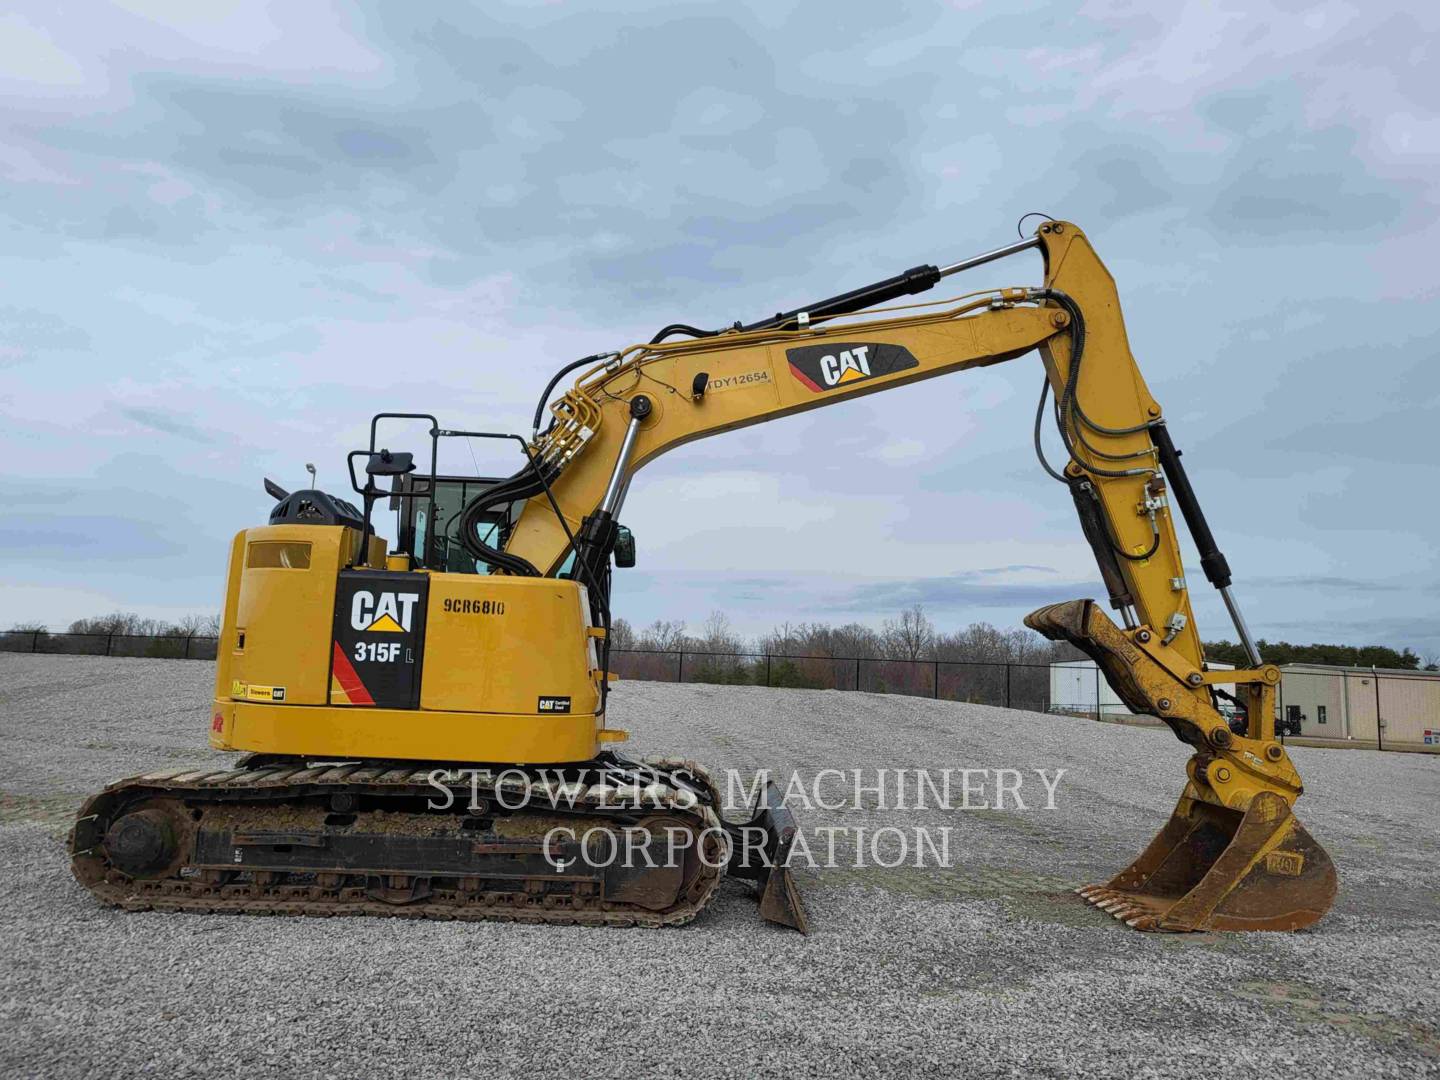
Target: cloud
[[29, 55], [247, 227], [165, 422], [49, 536], [28, 334], [1350, 585], [960, 593]]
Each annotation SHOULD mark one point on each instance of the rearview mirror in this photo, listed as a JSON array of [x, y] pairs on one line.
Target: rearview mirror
[[624, 547], [387, 463]]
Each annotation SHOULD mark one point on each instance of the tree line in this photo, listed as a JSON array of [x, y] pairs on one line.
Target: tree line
[[913, 636], [910, 636], [1282, 652], [129, 624]]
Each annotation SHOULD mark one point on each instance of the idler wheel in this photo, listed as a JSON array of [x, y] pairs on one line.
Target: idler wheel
[[141, 842]]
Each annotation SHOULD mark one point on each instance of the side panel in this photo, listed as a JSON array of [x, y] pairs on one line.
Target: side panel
[[225, 647], [507, 645], [379, 638], [407, 734], [279, 648]]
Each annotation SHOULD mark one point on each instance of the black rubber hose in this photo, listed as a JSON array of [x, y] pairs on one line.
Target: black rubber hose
[[681, 328], [1067, 405], [1039, 427], [523, 485]]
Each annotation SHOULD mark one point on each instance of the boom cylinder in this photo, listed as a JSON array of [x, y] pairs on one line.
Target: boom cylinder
[[915, 280]]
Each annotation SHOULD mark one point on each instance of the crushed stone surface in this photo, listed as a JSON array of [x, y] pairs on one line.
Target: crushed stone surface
[[990, 966]]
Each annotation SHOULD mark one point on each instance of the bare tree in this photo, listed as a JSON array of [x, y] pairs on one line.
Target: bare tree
[[910, 637], [664, 635], [196, 626], [622, 634], [717, 636]]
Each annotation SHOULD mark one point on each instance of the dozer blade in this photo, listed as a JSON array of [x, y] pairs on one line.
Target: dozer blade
[[1212, 868], [760, 851]]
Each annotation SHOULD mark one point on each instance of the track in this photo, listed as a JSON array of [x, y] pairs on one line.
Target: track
[[293, 838]]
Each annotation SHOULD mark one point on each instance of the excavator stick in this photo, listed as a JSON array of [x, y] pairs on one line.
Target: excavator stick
[[1233, 856]]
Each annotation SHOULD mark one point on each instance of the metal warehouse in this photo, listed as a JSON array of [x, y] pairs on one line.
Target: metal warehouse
[[1333, 702]]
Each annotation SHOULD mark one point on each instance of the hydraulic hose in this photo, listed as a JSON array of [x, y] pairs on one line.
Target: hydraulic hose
[[584, 361], [524, 484], [1068, 405], [681, 328]]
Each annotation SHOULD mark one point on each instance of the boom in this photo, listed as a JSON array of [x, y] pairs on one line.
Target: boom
[[628, 408], [703, 387]]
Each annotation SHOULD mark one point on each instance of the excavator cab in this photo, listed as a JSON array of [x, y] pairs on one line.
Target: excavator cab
[[429, 531], [430, 534]]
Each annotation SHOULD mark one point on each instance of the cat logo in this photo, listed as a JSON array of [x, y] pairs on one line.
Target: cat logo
[[390, 614], [849, 365], [828, 367]]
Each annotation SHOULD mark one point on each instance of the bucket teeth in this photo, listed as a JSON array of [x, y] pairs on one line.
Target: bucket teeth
[[1130, 910]]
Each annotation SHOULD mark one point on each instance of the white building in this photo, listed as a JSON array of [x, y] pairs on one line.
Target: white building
[[1078, 686]]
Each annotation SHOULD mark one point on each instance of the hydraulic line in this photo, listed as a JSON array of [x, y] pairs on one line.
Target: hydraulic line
[[528, 482], [584, 361], [1065, 408], [1129, 455], [1068, 405], [681, 328], [1039, 428]]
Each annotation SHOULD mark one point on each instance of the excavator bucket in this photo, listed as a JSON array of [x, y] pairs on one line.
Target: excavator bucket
[[1213, 866]]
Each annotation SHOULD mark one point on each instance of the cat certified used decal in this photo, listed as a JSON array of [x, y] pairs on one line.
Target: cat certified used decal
[[829, 367]]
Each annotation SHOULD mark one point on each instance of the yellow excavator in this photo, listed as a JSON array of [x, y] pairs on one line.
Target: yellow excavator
[[421, 723]]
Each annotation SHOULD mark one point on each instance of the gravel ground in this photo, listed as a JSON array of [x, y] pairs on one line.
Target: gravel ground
[[988, 967]]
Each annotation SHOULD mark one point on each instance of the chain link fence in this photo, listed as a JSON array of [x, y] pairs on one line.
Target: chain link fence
[[1003, 683], [1384, 709], [165, 646]]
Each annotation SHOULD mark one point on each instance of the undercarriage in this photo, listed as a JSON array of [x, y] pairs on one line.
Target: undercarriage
[[611, 842]]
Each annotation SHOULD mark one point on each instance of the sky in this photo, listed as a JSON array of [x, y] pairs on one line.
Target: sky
[[234, 231]]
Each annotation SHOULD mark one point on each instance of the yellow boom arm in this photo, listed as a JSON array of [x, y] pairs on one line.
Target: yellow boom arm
[[630, 408]]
